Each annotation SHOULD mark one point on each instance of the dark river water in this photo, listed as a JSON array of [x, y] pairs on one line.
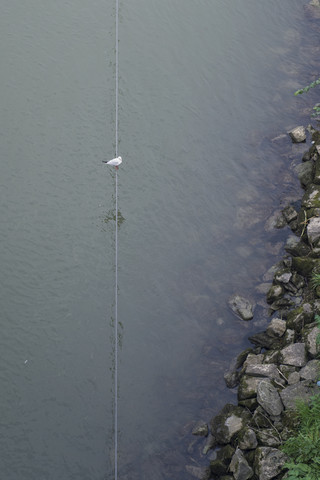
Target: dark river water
[[204, 89]]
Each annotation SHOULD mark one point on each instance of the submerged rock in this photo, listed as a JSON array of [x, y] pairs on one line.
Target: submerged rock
[[241, 307]]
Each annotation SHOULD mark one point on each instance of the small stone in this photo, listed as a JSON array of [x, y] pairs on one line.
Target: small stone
[[298, 134], [269, 399], [296, 247], [276, 328], [275, 292], [294, 354]]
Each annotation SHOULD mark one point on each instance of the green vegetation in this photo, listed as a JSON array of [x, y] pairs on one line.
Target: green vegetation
[[306, 89], [315, 280], [303, 449]]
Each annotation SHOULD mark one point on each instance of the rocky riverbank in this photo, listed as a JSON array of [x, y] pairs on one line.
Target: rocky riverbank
[[282, 366]]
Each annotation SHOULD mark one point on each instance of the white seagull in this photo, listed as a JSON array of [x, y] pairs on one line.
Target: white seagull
[[115, 162]]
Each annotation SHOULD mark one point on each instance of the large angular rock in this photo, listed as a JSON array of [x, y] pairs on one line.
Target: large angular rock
[[240, 467], [305, 172], [268, 370], [276, 328], [313, 230], [294, 354], [298, 134], [296, 247], [311, 198], [268, 462], [310, 334], [298, 391], [299, 317], [248, 387], [268, 437], [311, 371], [228, 423], [241, 307], [305, 265], [269, 398], [275, 292], [247, 439]]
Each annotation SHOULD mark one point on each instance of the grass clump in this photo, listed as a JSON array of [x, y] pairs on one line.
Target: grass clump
[[306, 89], [315, 280], [303, 449]]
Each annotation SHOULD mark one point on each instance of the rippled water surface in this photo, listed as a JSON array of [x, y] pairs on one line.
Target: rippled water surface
[[204, 88]]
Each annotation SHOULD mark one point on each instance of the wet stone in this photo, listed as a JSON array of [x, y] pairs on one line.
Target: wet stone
[[276, 327], [296, 247], [289, 213], [305, 172], [275, 292], [241, 307], [298, 134], [201, 429]]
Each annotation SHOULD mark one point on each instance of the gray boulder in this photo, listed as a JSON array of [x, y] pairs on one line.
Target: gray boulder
[[240, 467], [311, 371], [298, 134], [299, 391], [310, 334], [276, 327], [294, 354], [313, 230], [305, 172], [228, 423], [247, 439], [268, 462], [269, 398], [241, 307], [248, 387], [268, 370]]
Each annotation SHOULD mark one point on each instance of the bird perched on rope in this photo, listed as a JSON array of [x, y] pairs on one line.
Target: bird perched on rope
[[115, 162]]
